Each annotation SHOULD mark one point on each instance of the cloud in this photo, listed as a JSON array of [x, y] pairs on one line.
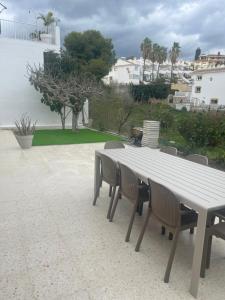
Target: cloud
[[192, 23]]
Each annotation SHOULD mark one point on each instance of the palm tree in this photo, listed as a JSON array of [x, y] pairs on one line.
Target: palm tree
[[47, 19], [174, 54], [162, 56], [154, 57], [146, 49]]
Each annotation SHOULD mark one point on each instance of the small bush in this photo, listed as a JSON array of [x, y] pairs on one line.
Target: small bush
[[157, 90]]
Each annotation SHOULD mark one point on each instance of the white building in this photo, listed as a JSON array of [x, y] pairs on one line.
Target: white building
[[207, 61], [22, 44], [209, 87], [124, 72], [127, 71]]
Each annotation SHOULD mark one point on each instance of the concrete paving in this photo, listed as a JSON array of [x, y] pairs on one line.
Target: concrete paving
[[55, 245]]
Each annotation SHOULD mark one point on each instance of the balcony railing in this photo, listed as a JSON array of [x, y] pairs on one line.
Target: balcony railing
[[23, 31]]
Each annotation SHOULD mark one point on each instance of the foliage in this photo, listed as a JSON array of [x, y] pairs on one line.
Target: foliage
[[153, 52], [146, 50], [47, 19], [70, 91], [92, 52], [112, 111], [143, 93], [197, 53], [203, 129], [174, 53], [24, 126]]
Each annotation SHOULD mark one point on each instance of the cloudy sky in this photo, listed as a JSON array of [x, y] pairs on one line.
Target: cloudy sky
[[192, 23]]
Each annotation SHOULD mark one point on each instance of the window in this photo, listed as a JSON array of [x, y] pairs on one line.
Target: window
[[198, 89], [199, 77], [136, 68], [214, 101]]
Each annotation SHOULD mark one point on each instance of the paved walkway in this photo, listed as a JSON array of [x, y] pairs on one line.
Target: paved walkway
[[55, 245]]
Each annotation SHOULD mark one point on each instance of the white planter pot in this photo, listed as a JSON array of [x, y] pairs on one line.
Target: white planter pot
[[25, 141], [46, 38]]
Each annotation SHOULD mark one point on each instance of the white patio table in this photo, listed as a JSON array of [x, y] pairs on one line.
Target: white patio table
[[199, 187]]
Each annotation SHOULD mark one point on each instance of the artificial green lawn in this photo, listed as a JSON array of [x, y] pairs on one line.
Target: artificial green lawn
[[63, 137]]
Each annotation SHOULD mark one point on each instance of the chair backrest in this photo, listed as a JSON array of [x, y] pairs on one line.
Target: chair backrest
[[109, 170], [165, 205], [169, 150], [129, 183], [200, 159], [113, 145]]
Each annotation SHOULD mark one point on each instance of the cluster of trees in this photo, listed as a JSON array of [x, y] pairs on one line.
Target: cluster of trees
[[158, 54], [71, 77]]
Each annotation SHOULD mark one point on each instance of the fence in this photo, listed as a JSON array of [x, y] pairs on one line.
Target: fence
[[23, 31]]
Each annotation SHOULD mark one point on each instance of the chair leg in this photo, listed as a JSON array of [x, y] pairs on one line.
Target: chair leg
[[140, 238], [171, 258], [192, 230], [141, 210], [131, 221], [97, 192], [110, 191], [111, 201], [209, 246], [170, 236], [163, 230], [115, 205]]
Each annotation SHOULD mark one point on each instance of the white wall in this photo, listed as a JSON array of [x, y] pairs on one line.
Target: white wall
[[17, 96], [212, 86]]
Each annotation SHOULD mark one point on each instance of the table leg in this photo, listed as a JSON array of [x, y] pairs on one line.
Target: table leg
[[97, 173], [198, 251]]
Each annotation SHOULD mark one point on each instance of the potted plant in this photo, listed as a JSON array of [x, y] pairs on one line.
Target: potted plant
[[35, 36], [47, 20], [25, 132]]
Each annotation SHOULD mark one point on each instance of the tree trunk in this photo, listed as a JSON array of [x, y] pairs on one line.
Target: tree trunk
[[143, 73], [83, 118], [153, 65], [171, 74], [158, 71], [75, 121], [63, 117]]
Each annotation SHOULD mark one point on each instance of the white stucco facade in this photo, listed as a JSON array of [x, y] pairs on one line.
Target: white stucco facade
[[209, 87], [126, 71], [17, 96]]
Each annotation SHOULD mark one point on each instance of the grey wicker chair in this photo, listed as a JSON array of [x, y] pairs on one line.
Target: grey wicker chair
[[212, 229], [133, 190], [109, 174], [167, 209], [169, 150], [113, 145], [200, 159], [172, 151]]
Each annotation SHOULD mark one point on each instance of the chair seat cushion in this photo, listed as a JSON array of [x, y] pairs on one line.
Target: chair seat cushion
[[188, 216]]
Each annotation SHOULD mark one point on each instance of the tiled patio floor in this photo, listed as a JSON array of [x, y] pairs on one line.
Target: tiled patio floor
[[55, 245]]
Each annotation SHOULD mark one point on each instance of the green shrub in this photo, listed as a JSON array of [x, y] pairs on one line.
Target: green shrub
[[143, 92], [202, 129]]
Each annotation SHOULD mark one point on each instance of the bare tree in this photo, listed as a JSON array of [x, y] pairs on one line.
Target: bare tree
[[71, 91]]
